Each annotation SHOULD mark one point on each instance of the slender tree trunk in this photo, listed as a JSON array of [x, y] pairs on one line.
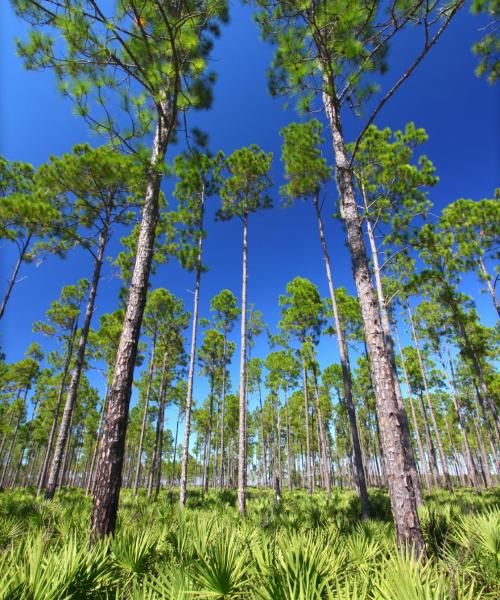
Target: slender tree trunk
[[469, 460], [155, 469], [175, 445], [389, 343], [12, 280], [324, 445], [223, 412], [144, 416], [90, 480], [423, 460], [9, 453], [50, 442], [485, 276], [109, 467], [288, 447], [444, 464], [346, 372], [192, 357], [309, 473], [64, 429], [206, 466], [401, 488], [242, 400], [263, 435]]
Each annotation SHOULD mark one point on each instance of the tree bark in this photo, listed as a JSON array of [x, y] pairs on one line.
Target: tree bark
[[109, 468], [389, 343], [485, 276], [192, 357], [48, 450], [64, 428], [309, 473], [242, 399], [346, 372], [401, 489], [144, 416], [206, 466]]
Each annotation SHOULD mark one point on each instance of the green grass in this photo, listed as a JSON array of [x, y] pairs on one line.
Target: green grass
[[306, 548]]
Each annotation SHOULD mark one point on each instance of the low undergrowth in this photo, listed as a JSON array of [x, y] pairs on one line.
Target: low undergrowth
[[305, 548]]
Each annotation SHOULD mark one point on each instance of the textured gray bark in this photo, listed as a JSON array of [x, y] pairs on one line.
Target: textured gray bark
[[109, 467], [401, 489], [64, 429], [242, 399]]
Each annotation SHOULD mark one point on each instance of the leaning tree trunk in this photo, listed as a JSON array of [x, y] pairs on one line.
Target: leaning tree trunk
[[485, 276], [144, 417], [401, 489], [346, 372], [12, 280], [242, 400], [389, 343], [64, 429], [192, 357], [52, 434], [439, 442], [109, 467]]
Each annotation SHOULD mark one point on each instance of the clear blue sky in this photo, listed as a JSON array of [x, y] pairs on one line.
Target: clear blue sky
[[459, 112]]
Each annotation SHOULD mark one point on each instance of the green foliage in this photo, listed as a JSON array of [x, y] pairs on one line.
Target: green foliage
[[305, 548], [244, 190], [488, 47]]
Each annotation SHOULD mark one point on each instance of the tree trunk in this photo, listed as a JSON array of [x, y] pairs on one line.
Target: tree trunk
[[109, 467], [206, 466], [192, 357], [12, 280], [64, 429], [346, 372], [444, 464], [223, 413], [155, 469], [309, 473], [242, 400], [423, 460], [144, 417], [401, 489], [90, 480], [389, 343], [469, 460], [48, 450], [485, 276], [9, 453]]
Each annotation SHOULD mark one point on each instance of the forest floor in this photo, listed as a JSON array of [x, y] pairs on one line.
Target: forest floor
[[305, 548]]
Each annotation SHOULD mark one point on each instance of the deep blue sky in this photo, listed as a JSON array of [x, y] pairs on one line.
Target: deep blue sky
[[459, 112]]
